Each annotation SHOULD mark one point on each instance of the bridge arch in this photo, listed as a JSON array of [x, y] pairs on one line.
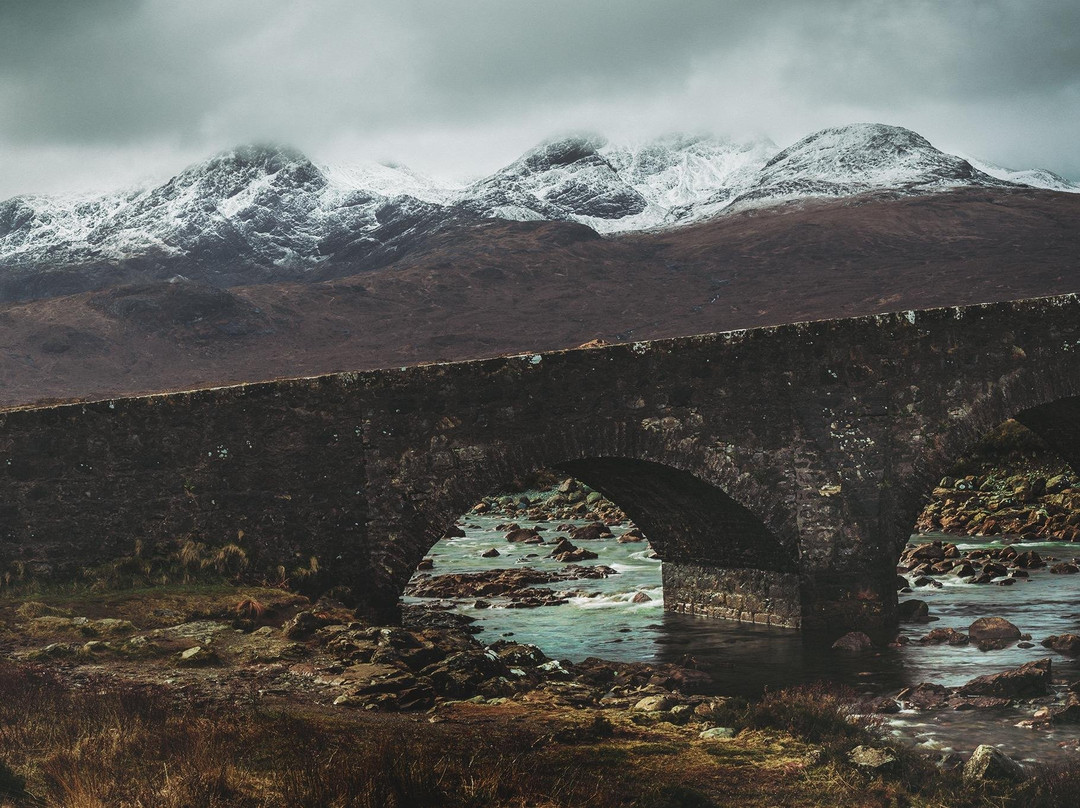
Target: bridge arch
[[1044, 399], [721, 555]]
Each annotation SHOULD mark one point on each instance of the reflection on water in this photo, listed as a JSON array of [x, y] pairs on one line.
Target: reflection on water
[[601, 620]]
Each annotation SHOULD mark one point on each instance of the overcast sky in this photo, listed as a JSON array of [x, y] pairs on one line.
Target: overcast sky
[[102, 93]]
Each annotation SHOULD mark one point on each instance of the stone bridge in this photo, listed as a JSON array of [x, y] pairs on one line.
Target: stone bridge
[[777, 471]]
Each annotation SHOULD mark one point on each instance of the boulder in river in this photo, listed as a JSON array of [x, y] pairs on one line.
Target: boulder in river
[[1063, 643], [854, 642], [1030, 680], [993, 633], [524, 535], [913, 611], [492, 553], [597, 530], [940, 636], [924, 696], [989, 763]]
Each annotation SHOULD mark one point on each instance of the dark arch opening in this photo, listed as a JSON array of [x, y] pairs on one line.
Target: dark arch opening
[[719, 559], [686, 518]]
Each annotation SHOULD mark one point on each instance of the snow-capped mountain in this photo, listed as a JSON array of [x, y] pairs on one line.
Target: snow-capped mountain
[[615, 187], [851, 160], [264, 213], [1033, 177]]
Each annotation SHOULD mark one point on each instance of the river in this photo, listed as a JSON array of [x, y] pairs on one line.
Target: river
[[602, 620]]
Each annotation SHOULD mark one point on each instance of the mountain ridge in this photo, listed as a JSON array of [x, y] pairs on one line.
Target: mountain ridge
[[268, 214]]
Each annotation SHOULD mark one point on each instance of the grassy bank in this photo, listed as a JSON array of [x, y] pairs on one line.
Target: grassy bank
[[98, 728]]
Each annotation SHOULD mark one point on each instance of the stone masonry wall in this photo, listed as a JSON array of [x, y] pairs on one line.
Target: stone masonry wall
[[806, 450]]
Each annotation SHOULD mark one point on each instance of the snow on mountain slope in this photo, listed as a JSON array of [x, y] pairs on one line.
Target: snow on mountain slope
[[617, 187], [261, 204], [850, 160], [260, 213], [1033, 177]]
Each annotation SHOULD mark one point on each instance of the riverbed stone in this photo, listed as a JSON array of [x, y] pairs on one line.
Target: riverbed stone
[[990, 633], [924, 696], [1063, 643], [988, 763], [940, 636], [1030, 680], [854, 642], [913, 611]]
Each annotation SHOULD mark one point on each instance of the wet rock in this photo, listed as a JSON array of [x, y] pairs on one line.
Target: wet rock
[[990, 633], [934, 551], [873, 760], [575, 555], [1064, 568], [1063, 643], [591, 532], [518, 655], [573, 572], [492, 553], [426, 564], [987, 763], [631, 536], [913, 611], [924, 696], [884, 706], [854, 642], [939, 636], [1029, 560], [524, 535], [1069, 714], [978, 702], [1030, 680], [454, 532], [641, 597]]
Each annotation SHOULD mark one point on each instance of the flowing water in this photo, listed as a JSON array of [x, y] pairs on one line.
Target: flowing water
[[602, 620]]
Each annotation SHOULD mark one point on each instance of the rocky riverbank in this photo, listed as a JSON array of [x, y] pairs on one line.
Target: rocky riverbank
[[1025, 506], [927, 565], [556, 500], [268, 682], [1009, 484]]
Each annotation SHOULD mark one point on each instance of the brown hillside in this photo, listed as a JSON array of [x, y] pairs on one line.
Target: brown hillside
[[504, 287]]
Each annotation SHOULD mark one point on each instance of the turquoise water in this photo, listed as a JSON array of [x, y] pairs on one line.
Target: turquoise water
[[601, 620]]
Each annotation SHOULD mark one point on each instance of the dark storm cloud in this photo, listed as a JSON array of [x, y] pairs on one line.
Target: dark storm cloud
[[134, 84]]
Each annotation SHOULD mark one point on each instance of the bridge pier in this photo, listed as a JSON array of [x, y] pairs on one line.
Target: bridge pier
[[763, 597]]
